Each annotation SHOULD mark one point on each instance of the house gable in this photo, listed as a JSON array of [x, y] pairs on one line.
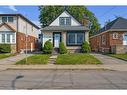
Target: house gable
[[6, 27], [74, 22]]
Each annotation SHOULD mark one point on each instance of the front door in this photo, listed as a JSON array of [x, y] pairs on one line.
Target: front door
[[125, 39], [56, 40]]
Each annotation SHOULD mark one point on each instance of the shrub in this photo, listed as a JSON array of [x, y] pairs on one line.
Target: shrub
[[62, 48], [86, 47], [5, 48], [48, 47]]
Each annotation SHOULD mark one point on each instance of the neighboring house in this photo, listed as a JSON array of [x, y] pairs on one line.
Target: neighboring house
[[67, 29], [13, 30], [112, 38]]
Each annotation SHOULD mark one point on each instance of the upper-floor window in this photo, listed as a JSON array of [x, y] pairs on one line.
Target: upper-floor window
[[103, 40], [7, 19], [65, 20]]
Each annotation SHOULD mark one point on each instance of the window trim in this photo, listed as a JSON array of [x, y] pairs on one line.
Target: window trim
[[103, 41], [7, 19], [76, 38], [65, 21], [11, 38], [113, 35]]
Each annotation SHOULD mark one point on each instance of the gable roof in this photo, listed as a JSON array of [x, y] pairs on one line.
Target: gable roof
[[68, 13], [119, 23], [23, 17], [10, 27]]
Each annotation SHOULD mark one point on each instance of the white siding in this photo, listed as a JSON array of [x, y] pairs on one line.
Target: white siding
[[14, 24], [23, 25], [47, 36], [74, 22]]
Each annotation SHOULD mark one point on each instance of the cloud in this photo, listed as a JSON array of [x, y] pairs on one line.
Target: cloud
[[13, 8]]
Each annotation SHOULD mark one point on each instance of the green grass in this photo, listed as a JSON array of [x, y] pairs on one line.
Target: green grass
[[35, 59], [5, 55], [73, 59], [119, 56]]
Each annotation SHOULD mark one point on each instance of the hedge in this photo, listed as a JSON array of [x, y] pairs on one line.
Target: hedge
[[5, 48]]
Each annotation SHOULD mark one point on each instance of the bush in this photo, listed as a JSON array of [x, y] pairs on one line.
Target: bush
[[62, 48], [48, 47], [86, 47], [5, 48]]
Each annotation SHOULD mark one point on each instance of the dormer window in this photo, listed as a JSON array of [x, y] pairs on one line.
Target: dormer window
[[7, 19], [65, 20]]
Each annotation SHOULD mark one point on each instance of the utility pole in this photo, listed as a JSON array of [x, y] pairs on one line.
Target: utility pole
[[26, 41]]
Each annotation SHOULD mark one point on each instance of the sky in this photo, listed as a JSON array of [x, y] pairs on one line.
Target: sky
[[103, 13]]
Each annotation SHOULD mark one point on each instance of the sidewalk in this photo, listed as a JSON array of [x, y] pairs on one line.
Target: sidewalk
[[13, 59], [109, 63]]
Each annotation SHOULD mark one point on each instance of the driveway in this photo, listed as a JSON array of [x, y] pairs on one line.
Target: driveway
[[63, 79], [13, 59], [107, 60]]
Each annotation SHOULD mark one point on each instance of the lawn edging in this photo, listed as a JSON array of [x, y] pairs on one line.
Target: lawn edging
[[116, 57]]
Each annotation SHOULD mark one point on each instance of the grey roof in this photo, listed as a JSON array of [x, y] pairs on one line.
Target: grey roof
[[64, 28], [119, 23]]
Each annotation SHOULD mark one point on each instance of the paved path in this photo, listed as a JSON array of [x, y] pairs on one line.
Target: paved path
[[63, 79], [52, 59], [107, 60], [13, 59]]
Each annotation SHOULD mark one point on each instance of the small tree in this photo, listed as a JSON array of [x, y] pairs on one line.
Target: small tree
[[86, 47], [48, 47], [62, 48]]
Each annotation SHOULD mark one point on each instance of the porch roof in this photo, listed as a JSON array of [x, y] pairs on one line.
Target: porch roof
[[65, 28]]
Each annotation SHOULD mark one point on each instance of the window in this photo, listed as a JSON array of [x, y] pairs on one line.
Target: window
[[7, 19], [65, 20], [13, 38], [8, 38], [3, 38], [115, 35], [4, 19], [10, 19], [75, 38], [103, 39]]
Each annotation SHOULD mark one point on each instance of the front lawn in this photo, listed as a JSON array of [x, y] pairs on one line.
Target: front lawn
[[35, 59], [5, 55], [73, 59], [119, 56]]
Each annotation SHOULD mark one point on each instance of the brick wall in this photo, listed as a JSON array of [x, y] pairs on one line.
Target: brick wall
[[97, 45], [21, 42]]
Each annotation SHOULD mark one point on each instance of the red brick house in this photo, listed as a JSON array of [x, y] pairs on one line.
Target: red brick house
[[13, 30], [112, 38]]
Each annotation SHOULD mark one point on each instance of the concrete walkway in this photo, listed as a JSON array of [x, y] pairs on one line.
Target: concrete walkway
[[107, 60], [13, 59]]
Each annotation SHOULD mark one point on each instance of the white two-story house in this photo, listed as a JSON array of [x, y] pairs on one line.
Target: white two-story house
[[16, 30], [67, 29]]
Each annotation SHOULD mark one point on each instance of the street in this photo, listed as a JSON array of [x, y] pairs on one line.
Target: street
[[63, 79]]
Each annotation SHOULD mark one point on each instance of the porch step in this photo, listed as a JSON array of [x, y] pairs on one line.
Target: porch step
[[55, 51]]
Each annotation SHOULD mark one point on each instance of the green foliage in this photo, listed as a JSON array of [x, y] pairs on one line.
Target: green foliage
[[62, 48], [86, 47], [75, 59], [35, 59], [5, 48], [48, 47], [49, 13]]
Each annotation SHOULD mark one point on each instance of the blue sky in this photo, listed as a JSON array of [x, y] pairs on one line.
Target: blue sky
[[103, 13]]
